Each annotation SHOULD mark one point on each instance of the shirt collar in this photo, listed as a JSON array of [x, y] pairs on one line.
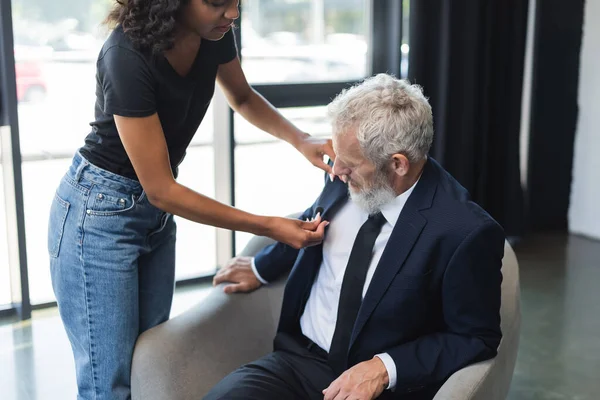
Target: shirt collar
[[391, 211]]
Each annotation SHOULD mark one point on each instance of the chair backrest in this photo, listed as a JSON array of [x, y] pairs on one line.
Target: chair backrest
[[510, 311]]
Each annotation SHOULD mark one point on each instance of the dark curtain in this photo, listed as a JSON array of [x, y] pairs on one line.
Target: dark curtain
[[554, 112], [469, 58]]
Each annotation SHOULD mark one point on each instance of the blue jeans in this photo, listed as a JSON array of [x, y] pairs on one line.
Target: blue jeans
[[112, 261]]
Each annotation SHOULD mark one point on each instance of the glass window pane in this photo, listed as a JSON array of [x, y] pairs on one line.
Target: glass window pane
[[56, 48], [271, 177], [55, 60], [5, 291], [304, 40], [196, 243], [40, 180], [405, 49]]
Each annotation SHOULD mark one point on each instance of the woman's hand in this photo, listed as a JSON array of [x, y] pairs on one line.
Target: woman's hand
[[314, 149], [296, 233], [260, 113]]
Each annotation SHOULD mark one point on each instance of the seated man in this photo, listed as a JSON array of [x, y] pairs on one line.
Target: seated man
[[405, 288]]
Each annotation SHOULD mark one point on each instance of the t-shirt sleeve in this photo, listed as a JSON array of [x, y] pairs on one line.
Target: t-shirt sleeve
[[227, 47], [127, 83]]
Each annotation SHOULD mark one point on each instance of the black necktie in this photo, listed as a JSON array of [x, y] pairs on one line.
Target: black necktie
[[352, 288]]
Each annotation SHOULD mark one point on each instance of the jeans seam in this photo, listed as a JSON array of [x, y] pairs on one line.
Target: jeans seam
[[73, 184], [90, 336], [87, 300], [65, 206]]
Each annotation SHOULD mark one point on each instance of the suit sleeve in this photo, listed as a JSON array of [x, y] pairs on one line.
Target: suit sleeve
[[471, 310]]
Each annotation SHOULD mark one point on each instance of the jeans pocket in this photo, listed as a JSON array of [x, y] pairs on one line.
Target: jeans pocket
[[163, 223], [56, 224], [107, 202]]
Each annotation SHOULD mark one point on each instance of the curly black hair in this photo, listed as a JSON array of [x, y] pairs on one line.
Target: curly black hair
[[150, 24]]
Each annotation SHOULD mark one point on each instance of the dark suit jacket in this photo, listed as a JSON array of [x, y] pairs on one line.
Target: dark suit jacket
[[434, 301]]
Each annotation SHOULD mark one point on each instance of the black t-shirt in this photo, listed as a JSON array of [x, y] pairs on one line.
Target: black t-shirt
[[131, 83]]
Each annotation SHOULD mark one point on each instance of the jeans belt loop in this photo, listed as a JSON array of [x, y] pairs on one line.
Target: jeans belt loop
[[80, 169]]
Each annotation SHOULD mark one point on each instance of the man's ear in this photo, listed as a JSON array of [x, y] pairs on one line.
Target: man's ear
[[400, 164]]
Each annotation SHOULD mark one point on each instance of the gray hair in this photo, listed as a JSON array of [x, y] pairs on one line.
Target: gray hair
[[391, 116]]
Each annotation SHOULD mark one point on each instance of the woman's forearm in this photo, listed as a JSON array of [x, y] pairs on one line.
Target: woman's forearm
[[260, 113], [184, 202]]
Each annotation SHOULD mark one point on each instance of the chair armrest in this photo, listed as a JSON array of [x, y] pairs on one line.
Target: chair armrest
[[186, 356], [486, 380]]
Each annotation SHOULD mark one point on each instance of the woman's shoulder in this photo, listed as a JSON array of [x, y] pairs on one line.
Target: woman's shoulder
[[119, 47]]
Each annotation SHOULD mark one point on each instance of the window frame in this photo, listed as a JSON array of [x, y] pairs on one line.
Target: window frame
[[384, 55]]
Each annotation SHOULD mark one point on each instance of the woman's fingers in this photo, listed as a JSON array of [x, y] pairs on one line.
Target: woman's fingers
[[316, 237]]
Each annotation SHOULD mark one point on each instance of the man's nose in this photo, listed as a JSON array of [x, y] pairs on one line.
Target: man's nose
[[340, 169]]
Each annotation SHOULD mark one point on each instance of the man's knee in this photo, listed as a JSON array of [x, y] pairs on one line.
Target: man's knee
[[252, 382], [237, 385]]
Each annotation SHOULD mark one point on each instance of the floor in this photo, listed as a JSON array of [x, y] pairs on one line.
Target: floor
[[559, 354], [559, 351], [35, 356]]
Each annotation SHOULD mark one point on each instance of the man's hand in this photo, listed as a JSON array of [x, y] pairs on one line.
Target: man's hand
[[239, 272], [364, 381]]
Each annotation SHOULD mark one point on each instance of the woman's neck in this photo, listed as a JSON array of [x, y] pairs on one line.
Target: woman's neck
[[184, 51]]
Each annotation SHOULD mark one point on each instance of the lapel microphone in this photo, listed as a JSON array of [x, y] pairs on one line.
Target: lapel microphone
[[319, 210]]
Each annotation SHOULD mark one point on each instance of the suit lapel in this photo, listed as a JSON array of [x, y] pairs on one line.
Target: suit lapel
[[404, 236], [331, 199]]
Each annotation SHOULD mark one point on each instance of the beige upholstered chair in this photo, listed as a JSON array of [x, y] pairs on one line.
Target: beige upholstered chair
[[184, 357]]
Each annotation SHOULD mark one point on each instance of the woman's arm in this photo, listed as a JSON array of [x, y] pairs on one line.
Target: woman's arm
[[260, 113], [146, 147]]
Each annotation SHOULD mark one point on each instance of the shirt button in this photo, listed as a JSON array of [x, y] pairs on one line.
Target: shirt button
[[100, 196]]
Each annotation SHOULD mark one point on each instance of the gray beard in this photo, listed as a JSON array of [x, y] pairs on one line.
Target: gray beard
[[371, 200]]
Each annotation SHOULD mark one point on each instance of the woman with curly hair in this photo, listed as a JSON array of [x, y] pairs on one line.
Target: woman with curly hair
[[111, 236]]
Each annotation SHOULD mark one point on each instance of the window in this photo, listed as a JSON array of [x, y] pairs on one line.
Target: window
[[297, 53], [405, 48], [40, 180], [271, 177], [56, 47], [5, 291], [196, 243], [304, 40]]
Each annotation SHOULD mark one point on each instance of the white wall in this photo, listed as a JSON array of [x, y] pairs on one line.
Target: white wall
[[584, 212]]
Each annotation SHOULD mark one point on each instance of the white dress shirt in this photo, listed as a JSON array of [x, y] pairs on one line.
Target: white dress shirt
[[320, 314]]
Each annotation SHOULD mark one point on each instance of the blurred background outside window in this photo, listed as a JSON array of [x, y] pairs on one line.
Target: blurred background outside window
[[56, 44]]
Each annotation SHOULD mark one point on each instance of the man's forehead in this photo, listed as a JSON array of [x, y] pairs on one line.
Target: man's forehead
[[345, 137], [346, 145]]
